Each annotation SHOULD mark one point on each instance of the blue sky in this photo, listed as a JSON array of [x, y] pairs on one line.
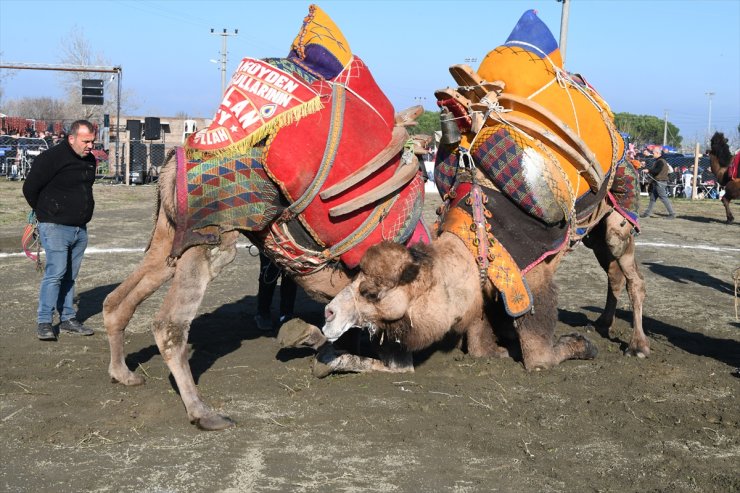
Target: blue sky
[[643, 56]]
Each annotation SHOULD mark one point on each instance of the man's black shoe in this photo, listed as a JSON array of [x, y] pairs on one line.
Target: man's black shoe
[[73, 326], [45, 332]]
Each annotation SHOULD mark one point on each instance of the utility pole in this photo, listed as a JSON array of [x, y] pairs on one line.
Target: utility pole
[[564, 27], [224, 35], [665, 128], [709, 125]]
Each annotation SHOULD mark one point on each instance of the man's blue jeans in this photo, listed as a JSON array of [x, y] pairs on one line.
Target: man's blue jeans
[[64, 247]]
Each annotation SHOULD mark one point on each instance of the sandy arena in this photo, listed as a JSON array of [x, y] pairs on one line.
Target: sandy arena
[[669, 423]]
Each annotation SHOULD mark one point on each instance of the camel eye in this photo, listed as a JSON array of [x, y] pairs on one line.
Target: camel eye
[[370, 293]]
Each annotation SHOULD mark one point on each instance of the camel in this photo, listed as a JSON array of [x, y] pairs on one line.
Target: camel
[[720, 159], [417, 296], [530, 164], [359, 183]]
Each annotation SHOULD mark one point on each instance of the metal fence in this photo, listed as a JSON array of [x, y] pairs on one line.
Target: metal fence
[[678, 185]]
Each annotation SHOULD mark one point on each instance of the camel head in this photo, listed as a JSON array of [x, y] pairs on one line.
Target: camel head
[[720, 149], [381, 295]]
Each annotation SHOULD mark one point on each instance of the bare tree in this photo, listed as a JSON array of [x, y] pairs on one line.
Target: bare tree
[[37, 108], [5, 74], [76, 50]]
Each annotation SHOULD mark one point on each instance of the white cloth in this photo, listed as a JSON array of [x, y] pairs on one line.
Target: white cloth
[[687, 180]]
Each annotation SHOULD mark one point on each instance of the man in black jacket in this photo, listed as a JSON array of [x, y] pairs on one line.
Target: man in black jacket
[[59, 190]]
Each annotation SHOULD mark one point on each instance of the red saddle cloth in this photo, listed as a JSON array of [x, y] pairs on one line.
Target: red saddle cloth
[[324, 148], [732, 173]]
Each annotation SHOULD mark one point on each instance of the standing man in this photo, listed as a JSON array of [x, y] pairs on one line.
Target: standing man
[[59, 190], [658, 173]]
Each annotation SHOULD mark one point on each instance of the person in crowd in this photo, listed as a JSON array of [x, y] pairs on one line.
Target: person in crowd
[[59, 189], [658, 176], [269, 275]]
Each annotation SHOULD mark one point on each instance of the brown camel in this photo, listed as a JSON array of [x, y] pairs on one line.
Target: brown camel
[[720, 158], [530, 163], [191, 273], [416, 296], [307, 157]]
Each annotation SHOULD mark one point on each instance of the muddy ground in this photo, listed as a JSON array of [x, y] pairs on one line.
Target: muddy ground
[[667, 423]]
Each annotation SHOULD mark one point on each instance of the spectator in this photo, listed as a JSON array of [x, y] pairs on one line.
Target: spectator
[[658, 176], [59, 190]]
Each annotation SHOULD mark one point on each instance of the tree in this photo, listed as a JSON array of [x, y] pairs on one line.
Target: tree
[[76, 50], [647, 129], [37, 108], [427, 123], [4, 75]]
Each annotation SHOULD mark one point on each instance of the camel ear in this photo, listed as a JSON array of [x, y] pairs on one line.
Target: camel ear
[[409, 273], [419, 256]]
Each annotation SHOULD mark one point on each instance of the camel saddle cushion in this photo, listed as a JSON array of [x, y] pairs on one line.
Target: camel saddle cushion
[[300, 125]]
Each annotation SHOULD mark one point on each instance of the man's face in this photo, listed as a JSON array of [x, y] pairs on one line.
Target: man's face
[[82, 143]]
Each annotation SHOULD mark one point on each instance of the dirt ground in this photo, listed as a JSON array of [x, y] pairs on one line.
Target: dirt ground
[[669, 423]]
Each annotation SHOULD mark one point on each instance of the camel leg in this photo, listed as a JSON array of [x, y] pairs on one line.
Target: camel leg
[[119, 306], [481, 342], [328, 360], [536, 330], [194, 270], [639, 344], [726, 203], [614, 247]]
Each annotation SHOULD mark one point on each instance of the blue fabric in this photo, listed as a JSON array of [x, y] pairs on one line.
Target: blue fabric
[[64, 247], [530, 29]]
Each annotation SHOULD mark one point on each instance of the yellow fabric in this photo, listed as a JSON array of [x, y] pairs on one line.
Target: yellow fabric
[[502, 269], [319, 29], [527, 75]]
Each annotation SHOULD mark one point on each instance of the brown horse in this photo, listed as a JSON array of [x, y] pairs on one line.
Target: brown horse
[[720, 158]]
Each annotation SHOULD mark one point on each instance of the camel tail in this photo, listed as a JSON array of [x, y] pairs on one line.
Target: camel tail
[[165, 190]]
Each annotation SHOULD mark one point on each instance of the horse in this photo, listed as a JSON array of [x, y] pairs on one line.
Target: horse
[[726, 168]]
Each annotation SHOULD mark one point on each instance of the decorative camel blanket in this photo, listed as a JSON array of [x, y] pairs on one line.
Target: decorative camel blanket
[[546, 143], [299, 125], [221, 194]]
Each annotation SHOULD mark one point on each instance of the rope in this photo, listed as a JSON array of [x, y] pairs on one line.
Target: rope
[[30, 239]]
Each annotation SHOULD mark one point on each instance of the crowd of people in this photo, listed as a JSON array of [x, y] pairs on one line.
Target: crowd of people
[[51, 139]]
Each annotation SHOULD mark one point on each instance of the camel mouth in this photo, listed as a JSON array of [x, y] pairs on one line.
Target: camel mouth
[[333, 335]]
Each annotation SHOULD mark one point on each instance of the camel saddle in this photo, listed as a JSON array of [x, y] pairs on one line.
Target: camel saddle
[[541, 145], [312, 140]]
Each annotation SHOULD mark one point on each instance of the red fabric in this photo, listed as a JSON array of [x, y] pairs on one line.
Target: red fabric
[[732, 172], [368, 123]]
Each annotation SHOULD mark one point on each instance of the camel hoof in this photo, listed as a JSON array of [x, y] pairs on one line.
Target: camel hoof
[[320, 370], [297, 333], [130, 380], [641, 354], [214, 422], [581, 347]]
